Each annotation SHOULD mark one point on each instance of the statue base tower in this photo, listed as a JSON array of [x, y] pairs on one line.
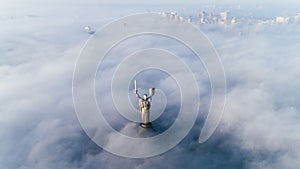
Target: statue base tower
[[146, 125]]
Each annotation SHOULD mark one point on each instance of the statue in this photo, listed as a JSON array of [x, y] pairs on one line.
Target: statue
[[144, 104]]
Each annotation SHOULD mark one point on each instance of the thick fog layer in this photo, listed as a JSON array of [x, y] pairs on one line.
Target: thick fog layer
[[39, 127]]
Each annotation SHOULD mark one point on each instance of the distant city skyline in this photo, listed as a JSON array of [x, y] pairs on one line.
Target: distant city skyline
[[216, 2]]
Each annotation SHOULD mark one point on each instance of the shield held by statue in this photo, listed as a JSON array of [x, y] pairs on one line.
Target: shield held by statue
[[151, 91]]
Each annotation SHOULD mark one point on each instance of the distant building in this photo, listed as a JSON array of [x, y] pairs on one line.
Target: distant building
[[282, 20], [211, 18], [297, 18], [189, 19], [224, 16], [163, 14], [173, 15], [233, 20], [88, 30], [202, 16], [181, 18]]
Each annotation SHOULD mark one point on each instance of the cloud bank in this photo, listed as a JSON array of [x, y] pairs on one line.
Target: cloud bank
[[39, 129]]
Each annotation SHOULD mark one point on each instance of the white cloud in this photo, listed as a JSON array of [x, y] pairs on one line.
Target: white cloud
[[39, 129]]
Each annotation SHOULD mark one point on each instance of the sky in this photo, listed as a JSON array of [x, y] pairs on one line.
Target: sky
[[39, 127]]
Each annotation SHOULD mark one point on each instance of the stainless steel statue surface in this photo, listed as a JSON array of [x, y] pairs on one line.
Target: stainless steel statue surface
[[144, 104]]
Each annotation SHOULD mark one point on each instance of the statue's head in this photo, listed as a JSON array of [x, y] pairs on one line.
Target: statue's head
[[145, 96]]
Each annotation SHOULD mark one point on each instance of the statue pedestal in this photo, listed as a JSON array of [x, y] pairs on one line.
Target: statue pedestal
[[146, 125]]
